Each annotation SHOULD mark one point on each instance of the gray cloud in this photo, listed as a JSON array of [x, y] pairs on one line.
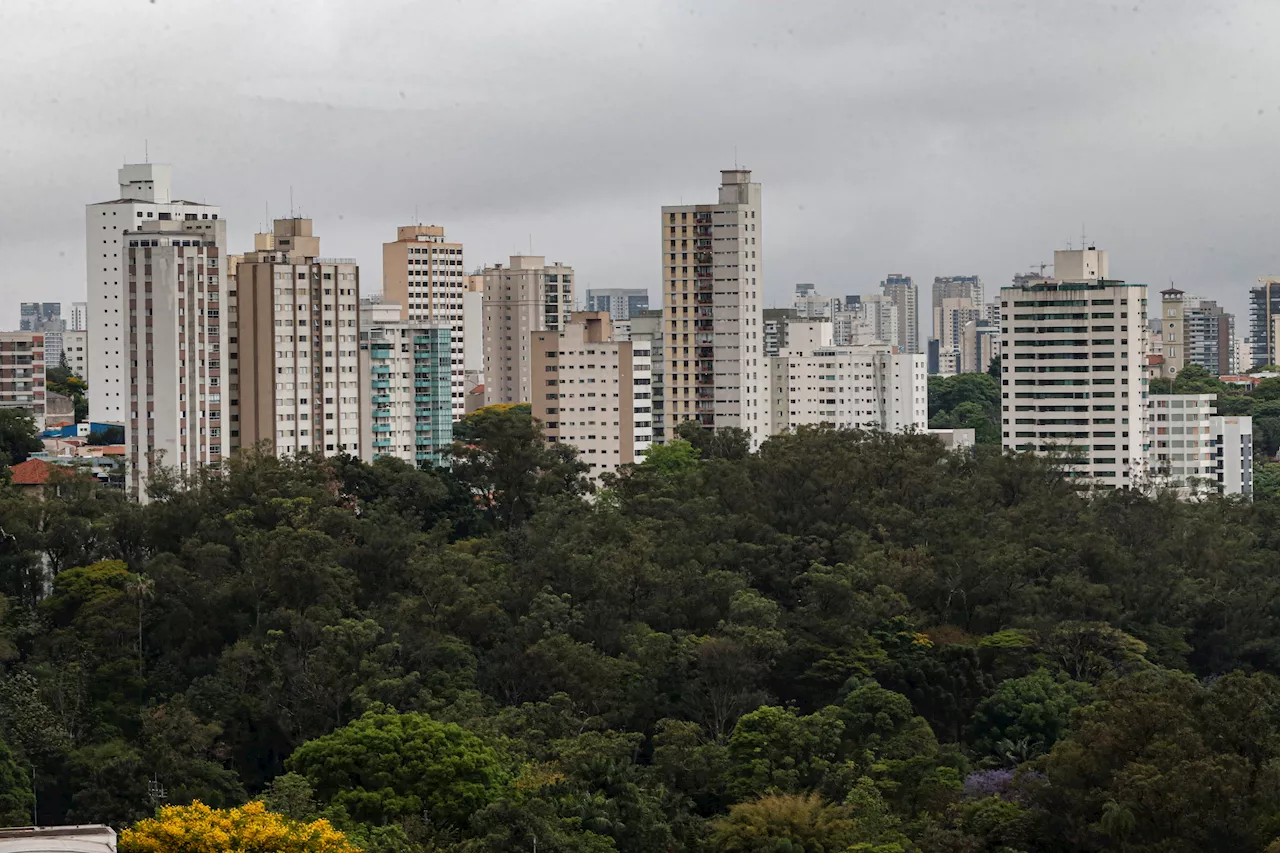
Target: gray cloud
[[928, 137]]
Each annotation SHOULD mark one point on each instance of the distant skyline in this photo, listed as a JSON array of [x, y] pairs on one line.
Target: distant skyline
[[925, 138]]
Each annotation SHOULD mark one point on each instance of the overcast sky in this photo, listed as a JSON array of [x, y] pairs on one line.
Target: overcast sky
[[927, 138]]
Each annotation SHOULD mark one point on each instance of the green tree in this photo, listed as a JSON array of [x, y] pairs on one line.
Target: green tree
[[387, 766], [18, 437], [724, 443], [17, 797], [1035, 708], [800, 823], [500, 454]]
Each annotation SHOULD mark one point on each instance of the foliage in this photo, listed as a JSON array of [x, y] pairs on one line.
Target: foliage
[[196, 828], [60, 380], [385, 766], [845, 638], [18, 436], [966, 401]]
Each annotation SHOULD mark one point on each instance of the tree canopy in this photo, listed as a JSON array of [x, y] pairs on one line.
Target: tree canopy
[[843, 641]]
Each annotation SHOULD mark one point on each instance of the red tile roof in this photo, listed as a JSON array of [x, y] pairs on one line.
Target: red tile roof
[[33, 472]]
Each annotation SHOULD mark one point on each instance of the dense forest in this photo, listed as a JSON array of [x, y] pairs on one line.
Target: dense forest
[[842, 642]]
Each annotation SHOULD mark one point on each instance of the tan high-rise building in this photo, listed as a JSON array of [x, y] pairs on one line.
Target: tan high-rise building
[[593, 392], [298, 345], [175, 342], [424, 274], [22, 373], [712, 277], [525, 297]]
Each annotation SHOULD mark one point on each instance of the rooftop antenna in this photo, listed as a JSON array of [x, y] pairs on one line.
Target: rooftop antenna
[[291, 201], [1084, 241], [146, 151], [416, 221], [735, 158]]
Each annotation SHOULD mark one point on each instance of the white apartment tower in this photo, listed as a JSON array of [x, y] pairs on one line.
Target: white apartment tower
[[174, 345], [145, 196], [424, 274], [1073, 370], [527, 296], [716, 371], [873, 387]]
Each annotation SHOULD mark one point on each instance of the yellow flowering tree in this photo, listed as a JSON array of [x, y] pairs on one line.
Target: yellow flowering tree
[[252, 828]]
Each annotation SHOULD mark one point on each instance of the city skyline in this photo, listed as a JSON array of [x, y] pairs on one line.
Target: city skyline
[[916, 141]]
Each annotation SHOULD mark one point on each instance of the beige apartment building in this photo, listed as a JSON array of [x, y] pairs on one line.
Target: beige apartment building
[[527, 296], [175, 343], [298, 341], [22, 373], [424, 273], [715, 372], [75, 349], [593, 392]]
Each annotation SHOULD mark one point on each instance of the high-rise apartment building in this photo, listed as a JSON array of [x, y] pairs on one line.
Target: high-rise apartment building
[[593, 392], [646, 335], [425, 274], [950, 315], [1073, 370], [79, 320], [902, 291], [1233, 453], [873, 387], [75, 350], [406, 408], [1195, 331], [1194, 451], [145, 195], [811, 305], [41, 317], [298, 346], [175, 341], [529, 295], [622, 303], [980, 344], [869, 320], [45, 317], [776, 323], [712, 283], [955, 287], [22, 373], [1264, 307]]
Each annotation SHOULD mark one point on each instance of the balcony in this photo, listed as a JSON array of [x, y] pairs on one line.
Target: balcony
[[382, 427], [702, 258], [381, 399], [380, 383], [702, 272], [702, 218], [704, 339]]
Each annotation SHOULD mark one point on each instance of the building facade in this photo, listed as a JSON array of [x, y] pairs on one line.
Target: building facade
[[1264, 307], [298, 346], [956, 287], [1233, 453], [873, 387], [1195, 452], [646, 335], [406, 408], [712, 280], [79, 320], [902, 292], [593, 392], [1073, 371], [75, 349], [527, 296], [175, 341], [424, 273], [145, 195], [22, 373], [622, 303]]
